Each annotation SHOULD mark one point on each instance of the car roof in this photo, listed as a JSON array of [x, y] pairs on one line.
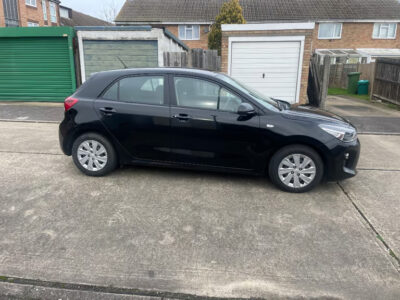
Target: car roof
[[169, 70], [94, 86]]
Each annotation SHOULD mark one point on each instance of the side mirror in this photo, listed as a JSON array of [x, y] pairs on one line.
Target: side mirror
[[246, 109]]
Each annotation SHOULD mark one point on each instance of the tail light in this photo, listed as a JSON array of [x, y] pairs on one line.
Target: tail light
[[69, 102]]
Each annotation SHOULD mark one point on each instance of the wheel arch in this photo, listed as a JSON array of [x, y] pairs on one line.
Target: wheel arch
[[121, 156], [314, 144]]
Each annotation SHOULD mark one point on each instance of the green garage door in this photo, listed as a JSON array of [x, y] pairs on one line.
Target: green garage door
[[112, 55], [35, 67]]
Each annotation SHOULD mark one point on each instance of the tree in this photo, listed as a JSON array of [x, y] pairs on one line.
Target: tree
[[109, 11], [231, 13]]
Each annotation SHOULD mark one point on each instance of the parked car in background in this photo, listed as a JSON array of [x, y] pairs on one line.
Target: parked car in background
[[202, 120]]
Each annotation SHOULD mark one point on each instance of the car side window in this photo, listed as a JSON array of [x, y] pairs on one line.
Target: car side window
[[228, 101], [196, 93], [137, 89]]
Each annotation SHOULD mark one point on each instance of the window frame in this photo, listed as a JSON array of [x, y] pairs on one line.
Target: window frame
[[44, 9], [53, 5], [118, 80], [379, 31], [185, 30], [30, 3], [330, 38], [32, 24], [174, 102]]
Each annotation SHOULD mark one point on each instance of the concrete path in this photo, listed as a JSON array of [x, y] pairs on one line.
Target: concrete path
[[174, 234], [366, 116]]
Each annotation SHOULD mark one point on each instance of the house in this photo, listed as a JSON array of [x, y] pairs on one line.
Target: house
[[29, 13], [70, 17], [364, 26]]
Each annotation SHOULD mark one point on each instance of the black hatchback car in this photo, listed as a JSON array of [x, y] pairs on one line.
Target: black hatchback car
[[198, 119]]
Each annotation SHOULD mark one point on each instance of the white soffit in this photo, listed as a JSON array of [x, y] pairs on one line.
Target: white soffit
[[267, 26]]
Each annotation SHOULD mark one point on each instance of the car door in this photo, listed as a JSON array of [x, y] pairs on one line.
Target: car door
[[135, 110], [205, 126]]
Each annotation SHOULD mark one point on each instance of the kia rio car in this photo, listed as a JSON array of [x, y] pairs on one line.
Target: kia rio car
[[203, 120]]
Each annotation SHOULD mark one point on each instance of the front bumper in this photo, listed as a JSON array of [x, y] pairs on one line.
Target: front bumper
[[343, 162]]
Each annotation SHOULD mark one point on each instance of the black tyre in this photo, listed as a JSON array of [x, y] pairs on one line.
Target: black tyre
[[296, 169], [94, 155]]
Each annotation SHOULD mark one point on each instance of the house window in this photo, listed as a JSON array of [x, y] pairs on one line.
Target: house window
[[31, 2], [44, 10], [53, 12], [189, 32], [384, 31], [33, 24], [64, 13], [11, 13], [330, 31]]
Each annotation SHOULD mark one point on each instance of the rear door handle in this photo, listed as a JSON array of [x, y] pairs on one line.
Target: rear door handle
[[182, 117], [107, 111]]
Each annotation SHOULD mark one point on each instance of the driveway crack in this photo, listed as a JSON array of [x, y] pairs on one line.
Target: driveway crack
[[378, 236]]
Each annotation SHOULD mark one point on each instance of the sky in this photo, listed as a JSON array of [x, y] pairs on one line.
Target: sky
[[94, 8]]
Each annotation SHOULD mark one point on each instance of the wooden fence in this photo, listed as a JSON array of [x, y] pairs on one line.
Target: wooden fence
[[195, 58], [387, 80], [338, 74]]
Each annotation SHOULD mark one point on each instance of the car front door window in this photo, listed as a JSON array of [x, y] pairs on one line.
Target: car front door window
[[228, 101], [196, 93]]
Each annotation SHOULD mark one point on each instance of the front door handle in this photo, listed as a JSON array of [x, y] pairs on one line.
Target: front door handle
[[182, 117], [108, 111]]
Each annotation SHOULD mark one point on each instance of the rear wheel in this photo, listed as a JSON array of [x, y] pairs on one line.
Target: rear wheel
[[296, 169], [94, 155]]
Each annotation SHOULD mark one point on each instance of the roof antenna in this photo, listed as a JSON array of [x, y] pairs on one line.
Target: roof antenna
[[125, 66]]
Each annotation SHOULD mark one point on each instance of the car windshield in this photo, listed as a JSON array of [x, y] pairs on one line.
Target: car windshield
[[266, 101]]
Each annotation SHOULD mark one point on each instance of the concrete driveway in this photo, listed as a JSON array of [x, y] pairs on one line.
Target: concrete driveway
[[368, 117], [175, 234]]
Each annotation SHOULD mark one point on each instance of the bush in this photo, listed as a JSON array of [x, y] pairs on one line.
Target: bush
[[231, 13]]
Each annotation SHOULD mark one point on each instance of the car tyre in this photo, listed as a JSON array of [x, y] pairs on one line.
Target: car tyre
[[94, 155], [296, 169]]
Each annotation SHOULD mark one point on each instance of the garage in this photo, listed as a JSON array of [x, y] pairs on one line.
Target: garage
[[113, 48], [271, 67], [270, 58], [109, 55], [36, 64]]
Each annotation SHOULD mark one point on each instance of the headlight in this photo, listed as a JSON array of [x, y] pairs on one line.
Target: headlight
[[345, 134]]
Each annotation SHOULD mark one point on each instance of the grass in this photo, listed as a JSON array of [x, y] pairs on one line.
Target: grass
[[341, 92]]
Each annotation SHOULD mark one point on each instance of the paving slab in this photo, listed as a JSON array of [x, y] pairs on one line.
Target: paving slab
[[180, 231], [380, 152], [376, 193], [29, 138]]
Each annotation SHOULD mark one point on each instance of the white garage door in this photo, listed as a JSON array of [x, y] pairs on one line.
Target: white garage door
[[272, 68]]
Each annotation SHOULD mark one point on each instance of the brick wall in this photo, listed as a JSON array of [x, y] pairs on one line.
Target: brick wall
[[2, 21], [201, 43], [356, 35], [306, 58], [31, 14]]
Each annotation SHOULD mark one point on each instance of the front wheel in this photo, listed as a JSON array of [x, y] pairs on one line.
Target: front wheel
[[296, 169], [94, 155]]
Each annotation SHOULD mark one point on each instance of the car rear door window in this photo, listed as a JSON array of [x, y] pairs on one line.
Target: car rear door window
[[138, 89], [196, 93]]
